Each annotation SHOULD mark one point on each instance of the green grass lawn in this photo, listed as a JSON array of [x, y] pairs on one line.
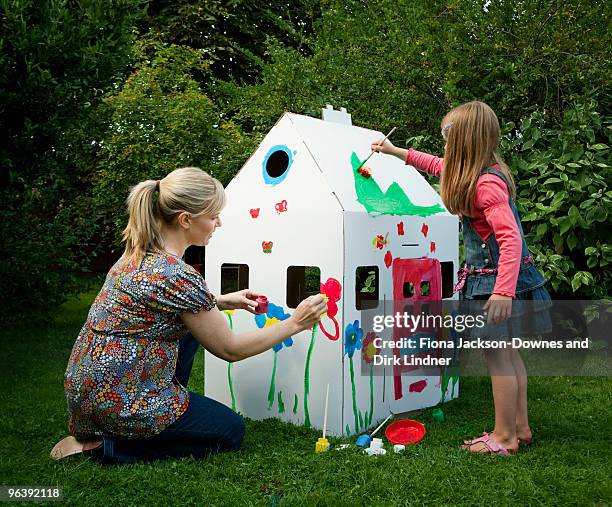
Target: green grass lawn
[[569, 464]]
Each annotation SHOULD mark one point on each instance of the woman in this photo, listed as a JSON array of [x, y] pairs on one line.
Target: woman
[[126, 377]]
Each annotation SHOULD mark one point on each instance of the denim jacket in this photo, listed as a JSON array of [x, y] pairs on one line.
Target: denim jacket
[[482, 257]]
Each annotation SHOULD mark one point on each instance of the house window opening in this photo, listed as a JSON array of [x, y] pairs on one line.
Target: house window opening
[[366, 287], [234, 277], [302, 282]]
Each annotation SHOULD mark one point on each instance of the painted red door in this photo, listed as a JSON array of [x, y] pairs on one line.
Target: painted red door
[[416, 282]]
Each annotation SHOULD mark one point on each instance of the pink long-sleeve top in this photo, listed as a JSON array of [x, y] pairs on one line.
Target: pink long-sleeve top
[[493, 215]]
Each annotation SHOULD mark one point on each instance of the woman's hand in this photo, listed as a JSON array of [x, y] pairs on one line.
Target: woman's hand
[[499, 308], [387, 147], [309, 312], [241, 300]]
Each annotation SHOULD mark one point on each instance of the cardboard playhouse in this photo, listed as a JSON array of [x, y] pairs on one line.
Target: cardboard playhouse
[[302, 218]]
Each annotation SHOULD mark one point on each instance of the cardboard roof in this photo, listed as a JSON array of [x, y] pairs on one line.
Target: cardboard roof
[[337, 149]]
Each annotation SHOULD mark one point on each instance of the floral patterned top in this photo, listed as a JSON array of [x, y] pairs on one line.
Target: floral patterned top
[[120, 376]]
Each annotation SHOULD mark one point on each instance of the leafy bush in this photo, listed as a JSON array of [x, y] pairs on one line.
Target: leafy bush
[[233, 34], [542, 66], [57, 58], [564, 174], [158, 121]]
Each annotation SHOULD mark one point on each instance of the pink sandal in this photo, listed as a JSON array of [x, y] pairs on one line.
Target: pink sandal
[[521, 441], [491, 446], [470, 442]]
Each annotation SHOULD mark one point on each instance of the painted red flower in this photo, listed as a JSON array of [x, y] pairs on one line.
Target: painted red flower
[[432, 246], [400, 229], [368, 349], [254, 212], [388, 259], [424, 229], [332, 290], [281, 207]]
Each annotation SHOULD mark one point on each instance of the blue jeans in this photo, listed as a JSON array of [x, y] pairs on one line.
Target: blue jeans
[[205, 428]]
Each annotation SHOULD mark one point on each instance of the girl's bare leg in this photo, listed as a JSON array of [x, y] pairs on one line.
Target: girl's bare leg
[[505, 398], [523, 431]]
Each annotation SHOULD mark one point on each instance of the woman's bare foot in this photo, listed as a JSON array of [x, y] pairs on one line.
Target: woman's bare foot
[[70, 445]]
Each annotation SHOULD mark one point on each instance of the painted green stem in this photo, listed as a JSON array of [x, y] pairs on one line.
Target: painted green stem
[[455, 380], [231, 385], [229, 369], [444, 384], [281, 403], [369, 421], [272, 384], [354, 396], [307, 376], [445, 381]]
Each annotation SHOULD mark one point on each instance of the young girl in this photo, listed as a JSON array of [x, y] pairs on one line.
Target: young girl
[[127, 375], [477, 185]]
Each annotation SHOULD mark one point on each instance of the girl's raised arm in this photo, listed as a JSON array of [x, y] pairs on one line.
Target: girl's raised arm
[[422, 161]]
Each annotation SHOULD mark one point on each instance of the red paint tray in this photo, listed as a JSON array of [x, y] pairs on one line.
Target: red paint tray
[[405, 431]]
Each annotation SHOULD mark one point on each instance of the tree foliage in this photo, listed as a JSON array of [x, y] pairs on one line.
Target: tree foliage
[[57, 59], [86, 111], [544, 67], [158, 121], [232, 34]]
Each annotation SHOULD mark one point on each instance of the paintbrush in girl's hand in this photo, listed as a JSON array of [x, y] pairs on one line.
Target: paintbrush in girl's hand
[[372, 152]]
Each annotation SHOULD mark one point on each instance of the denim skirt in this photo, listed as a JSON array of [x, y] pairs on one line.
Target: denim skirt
[[530, 316]]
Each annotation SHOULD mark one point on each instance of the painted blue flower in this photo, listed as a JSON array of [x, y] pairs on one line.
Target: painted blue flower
[[260, 320], [352, 338], [274, 314], [277, 311], [287, 343]]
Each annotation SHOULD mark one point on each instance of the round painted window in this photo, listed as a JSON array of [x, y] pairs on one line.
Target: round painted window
[[276, 164]]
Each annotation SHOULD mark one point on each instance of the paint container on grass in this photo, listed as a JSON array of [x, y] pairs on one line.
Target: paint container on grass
[[376, 443], [322, 445], [375, 452], [366, 439], [405, 431], [363, 440], [438, 415]]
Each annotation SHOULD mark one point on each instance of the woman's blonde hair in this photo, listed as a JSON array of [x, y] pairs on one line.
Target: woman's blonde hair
[[471, 132], [151, 202]]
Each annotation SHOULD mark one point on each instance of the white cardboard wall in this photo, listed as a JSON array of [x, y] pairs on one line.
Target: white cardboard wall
[[324, 225], [309, 234]]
